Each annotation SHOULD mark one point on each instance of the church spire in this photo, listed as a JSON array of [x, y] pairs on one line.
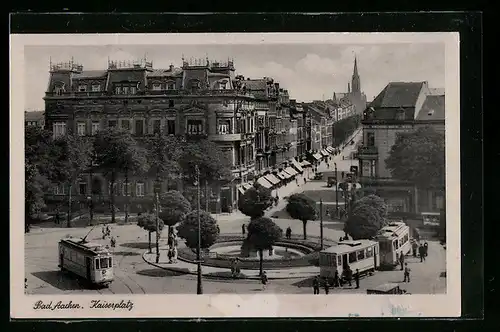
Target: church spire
[[355, 73], [356, 81]]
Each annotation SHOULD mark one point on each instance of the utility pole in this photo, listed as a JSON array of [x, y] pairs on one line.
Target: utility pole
[[336, 191], [199, 288], [206, 195], [157, 188], [321, 221], [69, 205]]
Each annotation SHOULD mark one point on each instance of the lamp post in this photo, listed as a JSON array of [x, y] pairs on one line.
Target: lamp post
[[336, 192], [199, 289], [157, 188], [91, 214], [321, 222]]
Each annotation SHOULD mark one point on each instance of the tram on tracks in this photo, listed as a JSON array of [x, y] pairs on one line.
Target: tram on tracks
[[393, 240]]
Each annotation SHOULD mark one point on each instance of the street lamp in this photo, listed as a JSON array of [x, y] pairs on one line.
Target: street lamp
[[91, 212], [199, 288], [321, 222], [157, 188], [336, 191]]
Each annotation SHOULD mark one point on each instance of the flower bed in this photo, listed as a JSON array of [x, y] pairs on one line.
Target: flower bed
[[223, 261]]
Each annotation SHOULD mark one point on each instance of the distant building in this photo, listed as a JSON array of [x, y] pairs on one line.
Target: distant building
[[34, 118], [354, 95], [400, 107]]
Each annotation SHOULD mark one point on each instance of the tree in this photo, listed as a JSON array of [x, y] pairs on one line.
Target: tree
[[113, 149], [255, 201], [148, 222], [419, 157], [303, 208], [174, 208], [262, 235], [133, 162], [163, 154], [367, 217], [72, 156], [188, 229]]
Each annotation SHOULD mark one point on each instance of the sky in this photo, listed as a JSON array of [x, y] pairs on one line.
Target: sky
[[308, 71]]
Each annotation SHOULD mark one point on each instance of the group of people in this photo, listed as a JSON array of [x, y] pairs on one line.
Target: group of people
[[172, 247], [421, 250], [337, 281], [106, 233]]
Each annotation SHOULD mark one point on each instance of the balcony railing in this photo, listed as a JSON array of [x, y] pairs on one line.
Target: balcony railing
[[367, 150], [153, 93], [225, 137]]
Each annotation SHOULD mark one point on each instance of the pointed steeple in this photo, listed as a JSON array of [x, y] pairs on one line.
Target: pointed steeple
[[348, 87], [355, 72], [356, 80]]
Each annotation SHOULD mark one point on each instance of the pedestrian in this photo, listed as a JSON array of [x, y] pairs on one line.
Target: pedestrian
[[243, 229], [218, 229], [426, 248], [316, 285], [174, 254], [288, 233], [421, 253], [342, 174], [326, 285], [263, 280], [58, 218], [401, 260], [297, 181], [113, 242], [108, 231], [414, 247], [340, 239], [305, 180], [336, 280], [407, 273], [170, 255], [356, 278], [25, 283], [348, 275], [346, 237], [103, 232]]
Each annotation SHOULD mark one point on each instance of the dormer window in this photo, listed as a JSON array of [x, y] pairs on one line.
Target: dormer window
[[222, 85], [59, 89], [400, 115], [82, 88], [96, 87], [171, 86], [126, 88], [156, 86]]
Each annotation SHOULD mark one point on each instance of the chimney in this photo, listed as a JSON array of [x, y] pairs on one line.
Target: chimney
[[171, 67]]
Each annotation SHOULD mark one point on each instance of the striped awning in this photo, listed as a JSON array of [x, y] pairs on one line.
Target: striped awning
[[241, 190], [330, 149], [265, 183], [291, 171], [271, 178], [317, 156], [246, 186], [286, 175], [297, 166], [305, 163], [281, 176], [324, 153]]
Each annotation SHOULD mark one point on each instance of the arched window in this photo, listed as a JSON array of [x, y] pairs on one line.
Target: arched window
[[59, 88], [400, 114]]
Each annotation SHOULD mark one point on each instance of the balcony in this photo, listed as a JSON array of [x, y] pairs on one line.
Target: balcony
[[367, 152], [225, 137], [236, 93]]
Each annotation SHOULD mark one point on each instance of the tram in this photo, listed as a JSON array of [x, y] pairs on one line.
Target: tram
[[91, 261], [358, 254], [393, 240]]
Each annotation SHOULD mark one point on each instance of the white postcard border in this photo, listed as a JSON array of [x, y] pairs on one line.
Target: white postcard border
[[250, 305]]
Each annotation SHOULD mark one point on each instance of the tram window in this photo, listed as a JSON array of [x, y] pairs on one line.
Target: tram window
[[110, 262], [352, 257], [333, 260], [104, 263], [396, 244], [369, 252], [361, 255], [339, 259], [385, 246], [97, 265]]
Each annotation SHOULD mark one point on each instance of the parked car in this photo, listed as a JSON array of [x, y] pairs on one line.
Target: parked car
[[332, 181], [318, 176]]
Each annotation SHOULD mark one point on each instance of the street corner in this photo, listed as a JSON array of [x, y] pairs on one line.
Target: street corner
[[150, 258]]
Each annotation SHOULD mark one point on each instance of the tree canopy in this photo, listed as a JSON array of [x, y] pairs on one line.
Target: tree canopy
[[72, 156], [419, 157], [255, 201], [367, 217], [163, 154], [262, 235], [303, 208], [148, 222], [174, 207], [188, 229]]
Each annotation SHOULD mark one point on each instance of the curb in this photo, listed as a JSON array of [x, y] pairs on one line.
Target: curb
[[187, 271]]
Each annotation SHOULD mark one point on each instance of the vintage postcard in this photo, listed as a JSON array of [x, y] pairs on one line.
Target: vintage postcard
[[235, 175]]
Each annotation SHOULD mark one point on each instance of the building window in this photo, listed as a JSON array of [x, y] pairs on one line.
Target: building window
[[170, 103], [59, 189], [132, 90], [111, 123], [171, 127], [95, 127], [114, 189], [58, 90], [81, 128], [156, 126], [125, 90], [139, 127], [400, 115], [139, 189], [156, 86], [59, 129], [82, 188], [125, 189], [222, 85], [82, 88], [224, 127], [194, 127], [126, 124], [370, 137], [171, 86], [96, 87], [118, 90]]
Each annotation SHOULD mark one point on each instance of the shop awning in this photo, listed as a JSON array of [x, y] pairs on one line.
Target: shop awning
[[271, 178], [324, 153], [297, 166], [317, 156], [281, 176], [330, 149], [305, 163], [262, 181], [241, 190], [291, 171], [286, 175], [246, 186]]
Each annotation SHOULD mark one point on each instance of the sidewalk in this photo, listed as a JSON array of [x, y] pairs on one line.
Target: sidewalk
[[224, 273]]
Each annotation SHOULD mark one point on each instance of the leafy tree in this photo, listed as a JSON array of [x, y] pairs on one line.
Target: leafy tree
[[419, 157], [163, 154], [367, 217], [174, 208], [72, 156], [255, 201], [133, 162], [113, 149], [303, 208], [188, 229], [262, 235], [148, 222]]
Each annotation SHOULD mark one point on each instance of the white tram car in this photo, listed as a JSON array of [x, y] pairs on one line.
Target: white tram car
[[359, 254], [393, 240], [88, 260]]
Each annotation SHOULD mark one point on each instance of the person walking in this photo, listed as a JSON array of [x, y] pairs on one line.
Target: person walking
[[243, 229], [170, 255], [348, 275], [316, 285], [426, 248], [103, 230], [218, 229], [263, 280], [113, 242], [356, 278], [421, 253], [336, 280], [326, 285], [288, 233], [401, 259], [414, 247], [406, 273]]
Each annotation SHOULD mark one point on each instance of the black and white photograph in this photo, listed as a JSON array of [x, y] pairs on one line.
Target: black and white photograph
[[255, 166]]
